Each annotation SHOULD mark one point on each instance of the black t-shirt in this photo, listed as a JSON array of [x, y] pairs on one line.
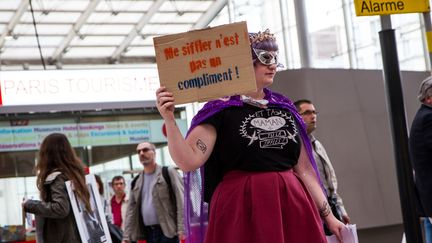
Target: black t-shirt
[[255, 139]]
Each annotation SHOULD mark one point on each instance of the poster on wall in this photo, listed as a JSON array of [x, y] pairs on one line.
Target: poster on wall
[[92, 226]]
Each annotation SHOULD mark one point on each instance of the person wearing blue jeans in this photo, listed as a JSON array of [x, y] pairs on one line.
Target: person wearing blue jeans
[[155, 235], [428, 229]]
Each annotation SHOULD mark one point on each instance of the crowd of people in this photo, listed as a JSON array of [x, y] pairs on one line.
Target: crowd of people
[[143, 214], [263, 180], [263, 174]]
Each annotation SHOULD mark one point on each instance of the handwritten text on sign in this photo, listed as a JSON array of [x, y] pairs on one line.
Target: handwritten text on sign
[[206, 64]]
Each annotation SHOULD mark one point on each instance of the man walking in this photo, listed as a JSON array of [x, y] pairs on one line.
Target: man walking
[[155, 210], [420, 145], [328, 176], [119, 201]]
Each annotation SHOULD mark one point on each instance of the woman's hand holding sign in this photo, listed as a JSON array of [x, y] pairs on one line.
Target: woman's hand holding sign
[[189, 155], [165, 103]]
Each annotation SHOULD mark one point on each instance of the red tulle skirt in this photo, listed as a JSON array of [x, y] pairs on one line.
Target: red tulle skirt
[[263, 207]]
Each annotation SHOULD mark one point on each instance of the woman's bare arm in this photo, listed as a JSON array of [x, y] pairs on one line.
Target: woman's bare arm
[[307, 173], [189, 154]]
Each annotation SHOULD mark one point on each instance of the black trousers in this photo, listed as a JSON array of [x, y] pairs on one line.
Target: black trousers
[[155, 235]]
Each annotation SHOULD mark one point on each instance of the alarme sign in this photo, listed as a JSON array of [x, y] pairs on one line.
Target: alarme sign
[[50, 87]]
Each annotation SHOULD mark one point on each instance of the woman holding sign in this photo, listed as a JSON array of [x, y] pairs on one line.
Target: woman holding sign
[[260, 178], [56, 164]]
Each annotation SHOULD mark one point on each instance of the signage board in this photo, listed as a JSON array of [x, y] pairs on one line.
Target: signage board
[[206, 64], [59, 87], [21, 138], [385, 7]]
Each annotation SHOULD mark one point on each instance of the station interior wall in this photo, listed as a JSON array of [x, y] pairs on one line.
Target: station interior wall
[[354, 126]]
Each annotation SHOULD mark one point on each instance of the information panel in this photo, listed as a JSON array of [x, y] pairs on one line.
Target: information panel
[[86, 134], [56, 87]]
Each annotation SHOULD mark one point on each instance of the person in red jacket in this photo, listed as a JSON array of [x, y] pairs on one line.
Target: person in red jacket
[[118, 201]]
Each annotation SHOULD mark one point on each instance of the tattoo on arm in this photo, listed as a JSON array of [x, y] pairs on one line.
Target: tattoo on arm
[[324, 210], [201, 145]]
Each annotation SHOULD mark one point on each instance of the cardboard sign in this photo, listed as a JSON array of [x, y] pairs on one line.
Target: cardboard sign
[[206, 64]]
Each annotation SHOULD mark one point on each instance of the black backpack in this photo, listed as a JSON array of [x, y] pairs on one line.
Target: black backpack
[[167, 178]]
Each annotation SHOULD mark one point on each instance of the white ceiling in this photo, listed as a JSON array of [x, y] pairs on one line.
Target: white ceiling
[[95, 32]]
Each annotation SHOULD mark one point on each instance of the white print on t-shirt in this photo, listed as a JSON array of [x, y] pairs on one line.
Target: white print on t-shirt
[[272, 128]]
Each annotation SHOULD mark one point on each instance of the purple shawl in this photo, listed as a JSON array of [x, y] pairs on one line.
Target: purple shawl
[[196, 209]]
